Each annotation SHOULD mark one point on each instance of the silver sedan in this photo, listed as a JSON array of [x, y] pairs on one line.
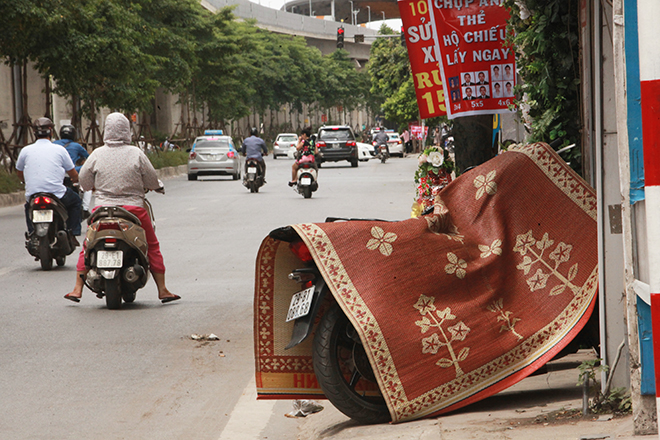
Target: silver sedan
[[214, 155]]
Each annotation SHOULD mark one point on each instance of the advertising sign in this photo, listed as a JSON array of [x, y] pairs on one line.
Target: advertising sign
[[477, 67], [423, 60], [418, 132]]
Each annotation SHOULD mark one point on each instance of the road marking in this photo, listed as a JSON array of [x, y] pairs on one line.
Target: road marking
[[5, 270], [249, 417]]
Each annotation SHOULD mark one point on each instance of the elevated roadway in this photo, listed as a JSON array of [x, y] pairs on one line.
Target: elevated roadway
[[320, 33]]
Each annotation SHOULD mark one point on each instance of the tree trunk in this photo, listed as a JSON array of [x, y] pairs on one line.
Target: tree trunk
[[473, 140]]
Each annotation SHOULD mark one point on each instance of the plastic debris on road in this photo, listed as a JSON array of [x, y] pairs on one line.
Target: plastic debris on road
[[303, 408], [211, 337]]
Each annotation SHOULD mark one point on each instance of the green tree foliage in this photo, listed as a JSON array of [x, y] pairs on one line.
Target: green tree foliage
[[391, 79], [117, 53], [547, 55]]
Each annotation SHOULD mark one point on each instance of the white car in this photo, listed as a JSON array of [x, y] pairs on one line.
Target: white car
[[365, 151], [395, 144], [284, 144]]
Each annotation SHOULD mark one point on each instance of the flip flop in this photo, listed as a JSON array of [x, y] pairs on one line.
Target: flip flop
[[72, 298], [170, 299]]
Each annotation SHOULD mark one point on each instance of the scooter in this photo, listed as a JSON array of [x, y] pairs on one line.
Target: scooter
[[50, 238], [340, 362], [306, 182], [116, 254], [382, 152], [254, 178]]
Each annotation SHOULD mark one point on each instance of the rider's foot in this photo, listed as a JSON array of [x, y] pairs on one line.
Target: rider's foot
[[292, 183]]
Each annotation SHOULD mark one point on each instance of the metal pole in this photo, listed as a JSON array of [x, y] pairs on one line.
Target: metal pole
[[369, 19], [383, 15], [649, 72], [310, 8], [352, 19]]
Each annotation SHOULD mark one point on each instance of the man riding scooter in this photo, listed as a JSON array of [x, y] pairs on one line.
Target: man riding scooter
[[78, 156], [42, 166], [381, 139], [255, 148]]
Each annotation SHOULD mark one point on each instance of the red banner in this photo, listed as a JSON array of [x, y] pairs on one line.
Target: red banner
[[418, 132], [479, 70], [423, 60]]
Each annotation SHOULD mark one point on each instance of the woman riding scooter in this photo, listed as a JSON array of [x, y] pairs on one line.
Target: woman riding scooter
[[305, 152], [119, 173]]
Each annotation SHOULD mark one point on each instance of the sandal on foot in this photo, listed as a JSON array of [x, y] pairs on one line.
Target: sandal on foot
[[170, 299], [72, 298]]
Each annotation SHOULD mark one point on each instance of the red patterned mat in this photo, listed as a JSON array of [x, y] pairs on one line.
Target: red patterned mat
[[451, 307]]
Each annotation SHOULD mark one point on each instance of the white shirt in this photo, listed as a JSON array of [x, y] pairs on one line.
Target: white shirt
[[44, 165]]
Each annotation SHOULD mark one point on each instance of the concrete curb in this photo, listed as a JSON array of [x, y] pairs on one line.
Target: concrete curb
[[18, 198]]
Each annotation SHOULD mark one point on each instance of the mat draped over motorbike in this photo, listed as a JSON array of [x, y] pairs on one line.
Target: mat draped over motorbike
[[451, 307]]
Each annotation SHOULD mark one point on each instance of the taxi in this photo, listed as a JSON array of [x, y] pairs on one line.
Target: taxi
[[214, 154]]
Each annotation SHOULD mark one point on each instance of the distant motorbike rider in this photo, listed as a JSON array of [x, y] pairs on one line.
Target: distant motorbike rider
[[305, 152], [42, 166], [255, 148], [78, 155], [381, 139]]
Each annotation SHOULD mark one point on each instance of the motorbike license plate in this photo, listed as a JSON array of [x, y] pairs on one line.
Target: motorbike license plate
[[109, 259], [306, 181], [252, 170], [44, 216], [300, 304]]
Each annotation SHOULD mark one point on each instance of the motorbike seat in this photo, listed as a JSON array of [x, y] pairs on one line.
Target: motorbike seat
[[106, 212]]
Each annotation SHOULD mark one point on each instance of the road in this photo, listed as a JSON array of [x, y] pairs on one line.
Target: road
[[80, 371]]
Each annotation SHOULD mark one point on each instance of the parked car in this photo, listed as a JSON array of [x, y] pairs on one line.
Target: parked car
[[395, 144], [284, 142], [335, 143], [214, 154]]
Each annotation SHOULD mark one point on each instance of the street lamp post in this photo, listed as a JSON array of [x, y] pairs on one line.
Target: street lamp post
[[383, 15], [352, 19], [369, 19]]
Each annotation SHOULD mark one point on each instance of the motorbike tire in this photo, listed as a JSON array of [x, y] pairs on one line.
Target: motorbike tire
[[61, 261], [128, 297], [254, 188], [307, 192], [44, 254], [113, 294], [192, 176], [331, 337], [383, 159]]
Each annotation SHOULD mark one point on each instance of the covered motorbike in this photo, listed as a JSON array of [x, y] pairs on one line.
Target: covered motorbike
[[116, 255], [409, 319], [50, 240]]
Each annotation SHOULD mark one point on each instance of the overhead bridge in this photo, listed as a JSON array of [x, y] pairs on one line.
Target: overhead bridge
[[320, 33]]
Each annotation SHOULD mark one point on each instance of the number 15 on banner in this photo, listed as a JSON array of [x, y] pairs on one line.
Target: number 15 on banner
[[434, 102]]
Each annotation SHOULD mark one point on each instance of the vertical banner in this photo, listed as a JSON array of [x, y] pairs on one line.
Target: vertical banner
[[477, 67], [423, 60], [419, 132]]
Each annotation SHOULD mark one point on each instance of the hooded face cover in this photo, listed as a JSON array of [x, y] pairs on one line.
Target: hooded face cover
[[117, 130]]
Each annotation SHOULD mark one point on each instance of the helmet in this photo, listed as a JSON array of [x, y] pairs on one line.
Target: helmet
[[43, 128], [254, 131], [68, 132]]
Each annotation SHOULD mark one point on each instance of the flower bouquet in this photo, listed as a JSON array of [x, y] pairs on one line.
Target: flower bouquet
[[433, 174]]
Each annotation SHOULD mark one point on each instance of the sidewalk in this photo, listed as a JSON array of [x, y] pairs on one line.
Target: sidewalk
[[18, 198], [543, 407]]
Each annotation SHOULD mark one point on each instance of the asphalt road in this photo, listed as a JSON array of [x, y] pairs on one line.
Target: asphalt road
[[80, 371]]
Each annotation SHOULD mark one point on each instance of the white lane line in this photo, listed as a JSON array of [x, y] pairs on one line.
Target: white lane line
[[5, 270], [249, 417]]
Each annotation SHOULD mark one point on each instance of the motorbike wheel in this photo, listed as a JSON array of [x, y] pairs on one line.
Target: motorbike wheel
[[307, 192], [113, 294], [383, 159], [60, 260], [128, 297], [254, 188], [336, 351], [44, 254]]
